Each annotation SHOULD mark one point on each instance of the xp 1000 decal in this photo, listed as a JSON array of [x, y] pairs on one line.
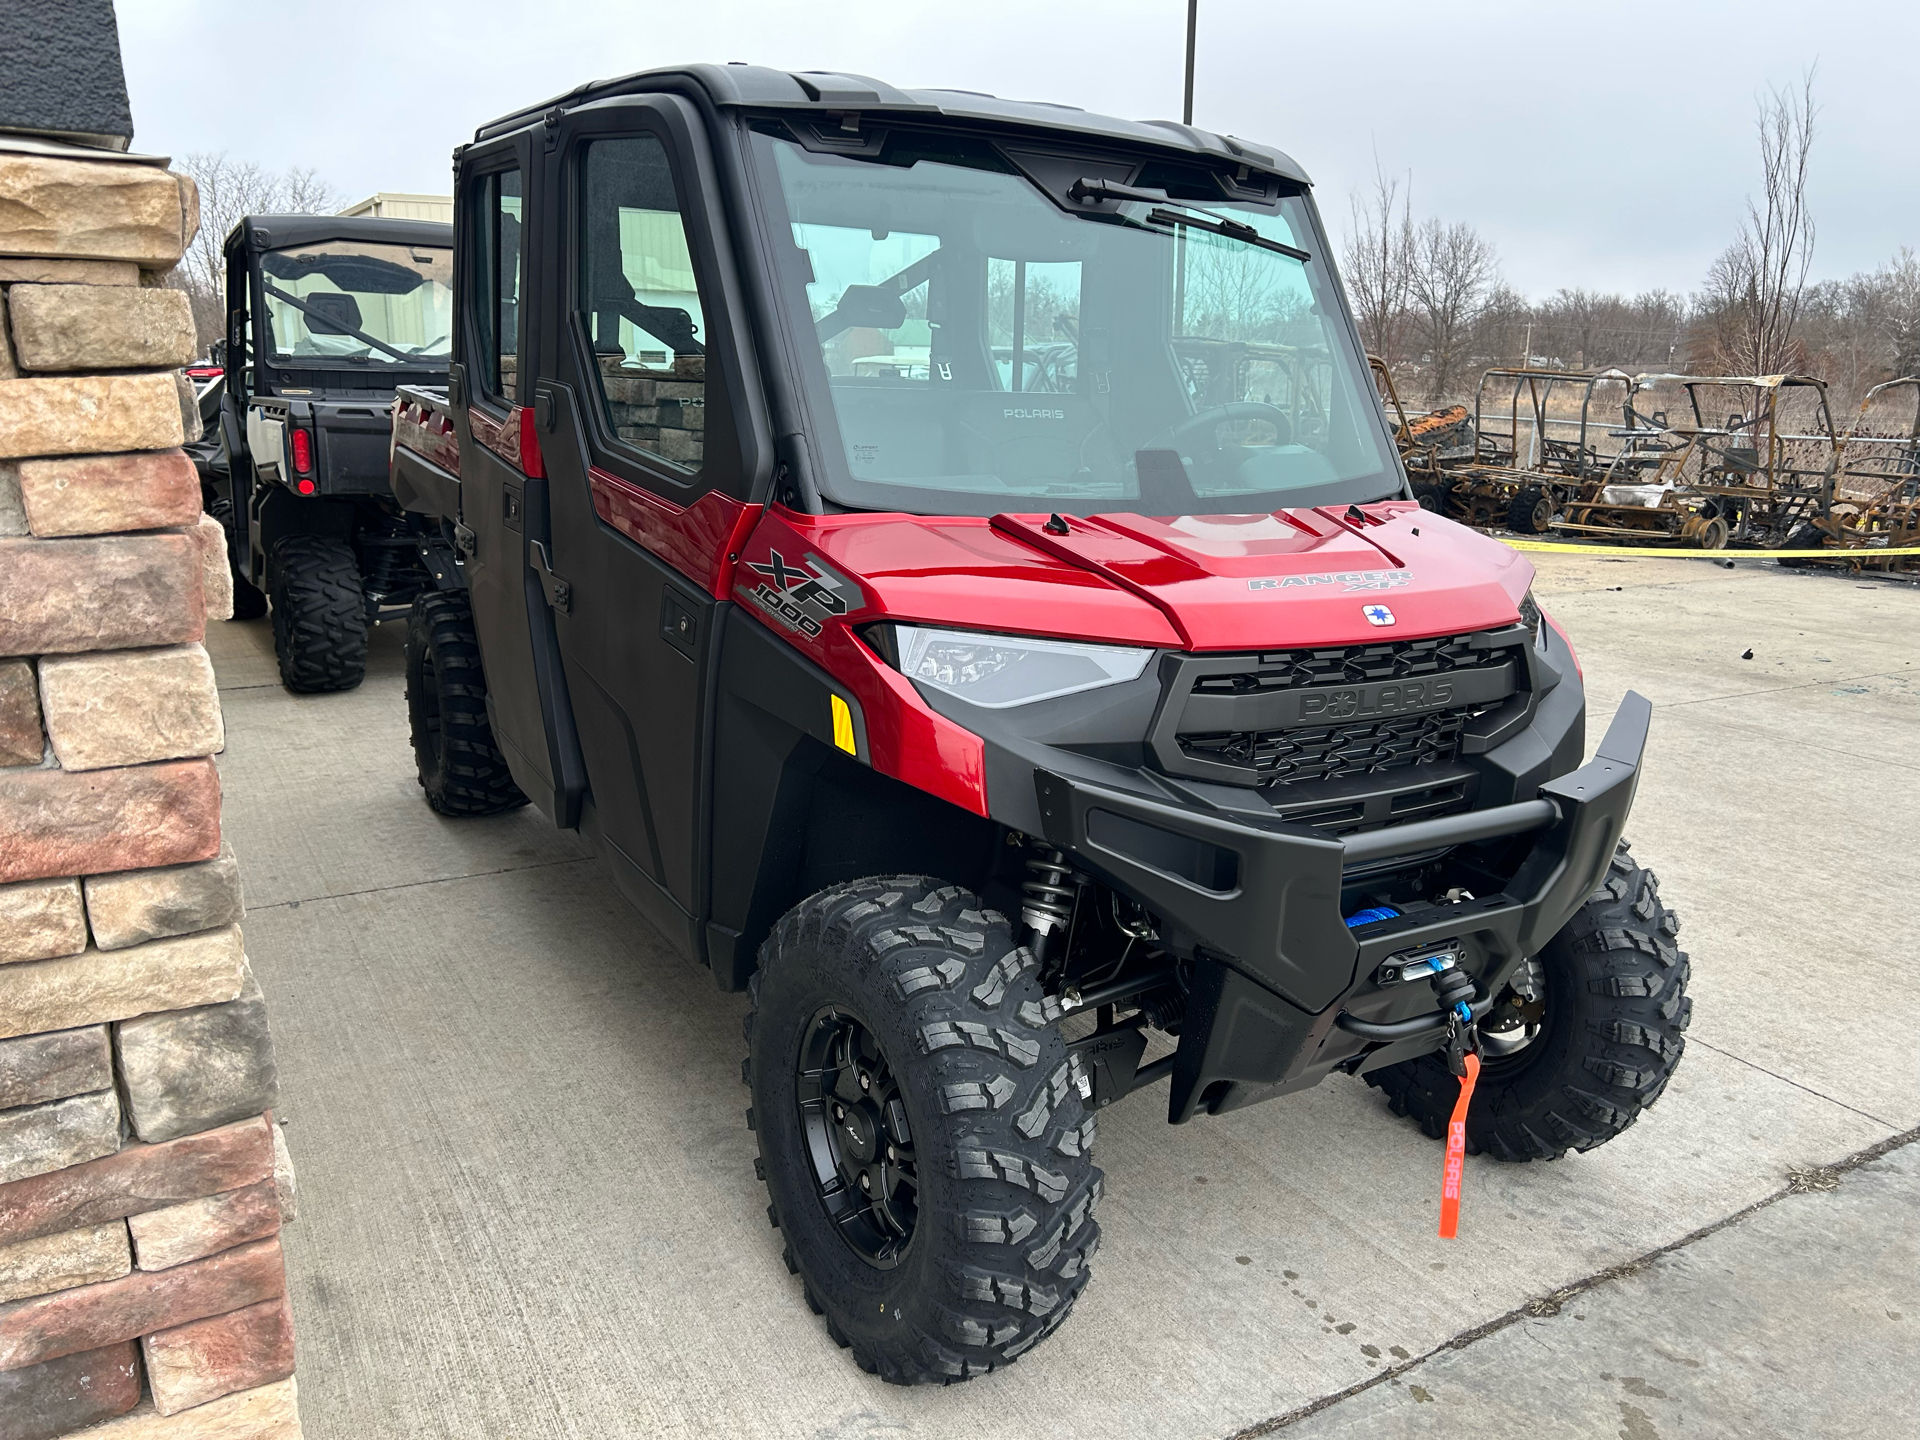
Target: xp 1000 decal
[[804, 595]]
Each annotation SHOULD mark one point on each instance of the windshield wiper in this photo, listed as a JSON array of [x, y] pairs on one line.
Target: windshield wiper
[[1231, 229], [1090, 190], [338, 328]]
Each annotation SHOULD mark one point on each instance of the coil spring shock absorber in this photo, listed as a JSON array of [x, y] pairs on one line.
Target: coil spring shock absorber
[[1046, 899], [390, 560]]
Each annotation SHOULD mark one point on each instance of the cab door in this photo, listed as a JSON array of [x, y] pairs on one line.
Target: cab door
[[654, 443], [502, 483]]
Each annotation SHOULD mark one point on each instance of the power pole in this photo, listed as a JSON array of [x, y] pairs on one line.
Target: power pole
[[1193, 26]]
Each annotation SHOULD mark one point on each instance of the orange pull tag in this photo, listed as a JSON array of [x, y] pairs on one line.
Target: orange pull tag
[[1457, 1151]]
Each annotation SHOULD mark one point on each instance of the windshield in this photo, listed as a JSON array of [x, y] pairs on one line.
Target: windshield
[[980, 350], [351, 303]]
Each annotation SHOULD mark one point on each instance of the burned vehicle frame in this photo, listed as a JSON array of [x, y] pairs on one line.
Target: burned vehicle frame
[[1524, 489], [1750, 481]]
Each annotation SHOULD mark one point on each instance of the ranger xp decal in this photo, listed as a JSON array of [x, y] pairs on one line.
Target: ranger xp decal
[[1352, 579], [800, 596]]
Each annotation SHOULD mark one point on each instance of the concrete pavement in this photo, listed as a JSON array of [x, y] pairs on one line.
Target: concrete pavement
[[528, 1204], [1801, 1319]]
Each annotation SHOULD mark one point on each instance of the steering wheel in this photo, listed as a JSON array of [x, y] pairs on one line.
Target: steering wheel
[[1171, 437]]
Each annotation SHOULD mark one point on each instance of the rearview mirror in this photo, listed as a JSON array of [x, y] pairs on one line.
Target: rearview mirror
[[870, 306]]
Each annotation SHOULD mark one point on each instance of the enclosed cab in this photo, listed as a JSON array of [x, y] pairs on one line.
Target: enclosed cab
[[945, 556], [326, 315]]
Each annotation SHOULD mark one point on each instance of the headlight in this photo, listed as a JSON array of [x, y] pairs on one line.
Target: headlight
[[1530, 615], [999, 671]]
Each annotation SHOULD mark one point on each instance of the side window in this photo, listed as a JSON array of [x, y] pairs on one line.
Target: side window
[[640, 301], [496, 310]]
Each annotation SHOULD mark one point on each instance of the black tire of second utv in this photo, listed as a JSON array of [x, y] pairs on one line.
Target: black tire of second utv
[[319, 613], [1804, 536], [1530, 511], [1617, 1012], [999, 1252], [1431, 495], [249, 601], [459, 765]]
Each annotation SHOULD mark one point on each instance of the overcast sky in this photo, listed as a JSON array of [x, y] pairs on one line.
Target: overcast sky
[[1607, 146]]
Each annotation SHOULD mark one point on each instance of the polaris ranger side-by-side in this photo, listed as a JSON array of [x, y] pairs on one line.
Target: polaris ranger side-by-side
[[946, 556], [325, 315]]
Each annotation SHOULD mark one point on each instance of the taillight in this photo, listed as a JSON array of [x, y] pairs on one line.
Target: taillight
[[303, 454]]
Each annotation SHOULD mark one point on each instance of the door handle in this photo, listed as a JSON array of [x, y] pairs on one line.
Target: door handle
[[559, 592]]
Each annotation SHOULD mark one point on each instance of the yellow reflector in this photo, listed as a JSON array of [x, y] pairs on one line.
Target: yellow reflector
[[843, 726]]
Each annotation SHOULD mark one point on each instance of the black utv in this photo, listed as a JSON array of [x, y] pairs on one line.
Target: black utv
[[325, 316]]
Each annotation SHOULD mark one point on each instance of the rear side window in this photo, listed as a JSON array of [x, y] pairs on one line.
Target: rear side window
[[496, 309], [640, 302]]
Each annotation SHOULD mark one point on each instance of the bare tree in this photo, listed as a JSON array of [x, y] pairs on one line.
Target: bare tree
[[1378, 259], [1900, 300], [230, 189], [303, 192], [1455, 272], [1754, 291]]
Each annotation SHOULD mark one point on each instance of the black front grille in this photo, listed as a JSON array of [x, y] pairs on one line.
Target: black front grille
[[1329, 752], [1301, 717], [1349, 665]]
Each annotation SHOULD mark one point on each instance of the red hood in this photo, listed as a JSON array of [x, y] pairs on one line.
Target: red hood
[[1206, 582], [1297, 577]]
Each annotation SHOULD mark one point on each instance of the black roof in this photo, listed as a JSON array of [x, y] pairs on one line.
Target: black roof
[[274, 232], [759, 88]]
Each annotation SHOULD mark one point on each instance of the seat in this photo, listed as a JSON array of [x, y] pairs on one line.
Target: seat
[[332, 313]]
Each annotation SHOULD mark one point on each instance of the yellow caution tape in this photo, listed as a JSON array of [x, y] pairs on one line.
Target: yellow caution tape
[[1688, 553]]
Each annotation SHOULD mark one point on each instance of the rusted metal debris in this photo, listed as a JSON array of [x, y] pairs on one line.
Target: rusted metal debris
[[1752, 461]]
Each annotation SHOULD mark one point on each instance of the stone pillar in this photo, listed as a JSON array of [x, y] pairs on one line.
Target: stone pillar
[[143, 1183]]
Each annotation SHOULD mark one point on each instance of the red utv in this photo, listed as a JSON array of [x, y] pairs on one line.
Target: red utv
[[946, 556]]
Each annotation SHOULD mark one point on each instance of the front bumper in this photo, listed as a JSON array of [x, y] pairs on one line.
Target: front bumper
[[1263, 905]]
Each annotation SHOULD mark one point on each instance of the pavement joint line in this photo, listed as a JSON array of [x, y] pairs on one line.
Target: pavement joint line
[[415, 884], [1783, 689], [1811, 1180], [1785, 1080]]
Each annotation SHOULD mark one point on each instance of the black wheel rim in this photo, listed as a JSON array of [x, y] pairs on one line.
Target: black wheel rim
[[1546, 1015], [859, 1144]]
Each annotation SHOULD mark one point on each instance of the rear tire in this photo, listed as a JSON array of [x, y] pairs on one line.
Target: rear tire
[[459, 765], [994, 1187], [1613, 1031], [249, 601], [1530, 512], [319, 614]]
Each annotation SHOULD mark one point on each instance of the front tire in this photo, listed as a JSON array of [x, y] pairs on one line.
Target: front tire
[[319, 614], [1613, 1029], [969, 1237], [459, 764]]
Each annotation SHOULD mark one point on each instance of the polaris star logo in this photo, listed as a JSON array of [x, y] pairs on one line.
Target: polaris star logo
[[1377, 614]]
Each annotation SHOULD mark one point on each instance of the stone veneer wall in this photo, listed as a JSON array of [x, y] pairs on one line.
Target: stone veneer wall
[[143, 1182]]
